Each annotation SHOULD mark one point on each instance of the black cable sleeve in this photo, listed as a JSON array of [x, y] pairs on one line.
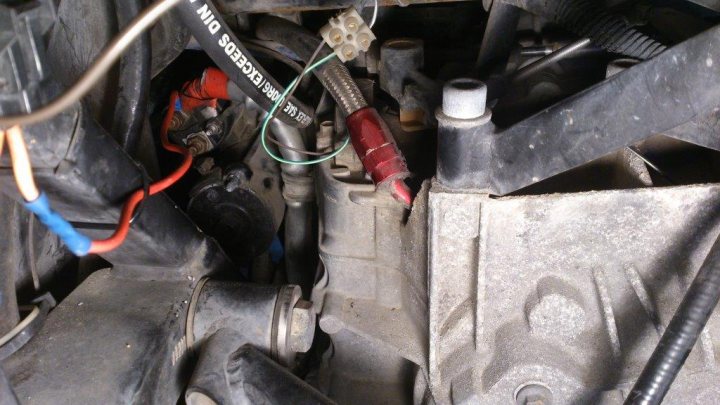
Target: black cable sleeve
[[224, 48], [681, 334], [132, 102]]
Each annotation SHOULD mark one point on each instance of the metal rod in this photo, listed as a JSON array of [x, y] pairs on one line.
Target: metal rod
[[650, 164], [545, 61]]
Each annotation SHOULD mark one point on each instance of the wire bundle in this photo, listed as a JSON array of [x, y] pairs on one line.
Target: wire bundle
[[38, 203], [117, 238], [288, 93], [280, 101]]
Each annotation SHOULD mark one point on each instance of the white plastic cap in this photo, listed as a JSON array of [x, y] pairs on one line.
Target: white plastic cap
[[464, 98]]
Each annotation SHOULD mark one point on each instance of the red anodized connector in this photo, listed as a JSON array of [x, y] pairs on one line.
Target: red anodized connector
[[373, 142]]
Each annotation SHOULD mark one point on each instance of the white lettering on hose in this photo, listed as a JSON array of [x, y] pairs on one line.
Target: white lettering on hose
[[205, 14], [235, 53], [214, 27]]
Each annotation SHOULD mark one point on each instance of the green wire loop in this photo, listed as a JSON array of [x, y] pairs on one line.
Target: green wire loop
[[275, 106]]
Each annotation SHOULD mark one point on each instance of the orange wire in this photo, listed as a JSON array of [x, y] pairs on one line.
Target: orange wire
[[117, 238], [22, 170]]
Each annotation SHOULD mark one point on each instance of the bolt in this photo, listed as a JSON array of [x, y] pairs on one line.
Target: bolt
[[464, 98], [302, 326], [197, 145]]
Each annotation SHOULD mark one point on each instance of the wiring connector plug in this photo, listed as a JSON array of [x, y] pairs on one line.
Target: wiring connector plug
[[78, 243], [347, 34]]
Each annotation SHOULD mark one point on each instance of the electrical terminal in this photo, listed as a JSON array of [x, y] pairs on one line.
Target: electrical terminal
[[347, 34]]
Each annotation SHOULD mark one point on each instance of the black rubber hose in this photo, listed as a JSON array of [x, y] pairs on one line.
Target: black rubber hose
[[587, 19], [216, 38], [681, 335], [333, 74], [132, 101]]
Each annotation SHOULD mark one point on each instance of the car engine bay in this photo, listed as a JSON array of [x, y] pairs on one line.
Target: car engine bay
[[359, 202]]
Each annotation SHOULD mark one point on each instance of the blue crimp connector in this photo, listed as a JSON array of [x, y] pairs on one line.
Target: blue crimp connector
[[78, 243]]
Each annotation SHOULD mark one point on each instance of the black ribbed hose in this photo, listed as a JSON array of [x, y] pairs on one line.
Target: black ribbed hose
[[588, 19], [132, 103], [333, 74], [681, 335], [224, 48]]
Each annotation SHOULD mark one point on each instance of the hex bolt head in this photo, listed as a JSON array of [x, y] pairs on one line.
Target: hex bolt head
[[464, 98], [302, 326]]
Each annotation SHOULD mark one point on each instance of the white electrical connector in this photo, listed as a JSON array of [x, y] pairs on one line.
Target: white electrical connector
[[347, 34]]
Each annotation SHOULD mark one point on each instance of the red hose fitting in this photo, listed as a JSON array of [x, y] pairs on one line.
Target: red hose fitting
[[205, 91], [374, 144]]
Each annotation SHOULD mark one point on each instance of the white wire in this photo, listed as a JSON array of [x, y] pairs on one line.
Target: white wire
[[374, 17]]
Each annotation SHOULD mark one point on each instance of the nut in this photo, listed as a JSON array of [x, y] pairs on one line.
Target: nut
[[177, 121], [197, 145], [302, 327], [214, 127]]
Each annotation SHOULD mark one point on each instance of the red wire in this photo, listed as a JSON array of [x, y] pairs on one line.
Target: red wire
[[118, 237]]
